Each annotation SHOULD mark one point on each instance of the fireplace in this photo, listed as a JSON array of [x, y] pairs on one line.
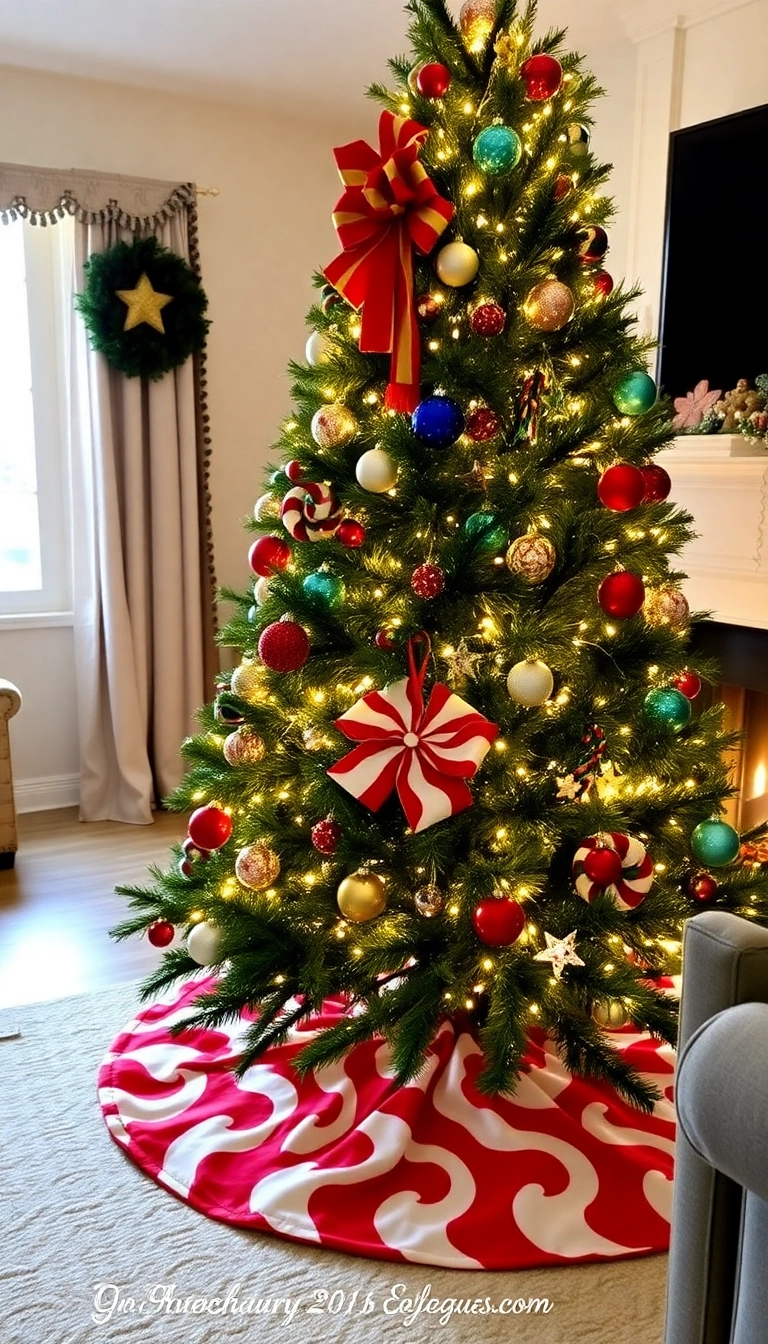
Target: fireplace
[[742, 653]]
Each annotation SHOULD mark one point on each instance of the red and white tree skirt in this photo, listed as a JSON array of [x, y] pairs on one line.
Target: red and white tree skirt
[[432, 1173]]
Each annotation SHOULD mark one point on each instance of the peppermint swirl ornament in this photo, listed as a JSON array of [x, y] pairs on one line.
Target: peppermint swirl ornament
[[311, 512], [628, 890]]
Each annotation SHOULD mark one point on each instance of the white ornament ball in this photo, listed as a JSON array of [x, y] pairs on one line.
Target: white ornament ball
[[530, 683], [457, 264], [375, 471], [204, 944], [261, 590], [318, 348], [266, 506]]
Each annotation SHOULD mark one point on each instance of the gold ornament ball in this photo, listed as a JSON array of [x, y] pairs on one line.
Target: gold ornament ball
[[333, 426], [457, 264], [549, 305], [248, 682], [477, 19], [243, 747], [666, 606], [257, 866], [611, 1015], [361, 897], [531, 558], [429, 900], [266, 506]]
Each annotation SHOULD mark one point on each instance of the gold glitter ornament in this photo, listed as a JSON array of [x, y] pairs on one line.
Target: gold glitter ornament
[[429, 900], [244, 747], [333, 426], [257, 866], [248, 683], [549, 306], [361, 897], [477, 19], [666, 606], [611, 1015], [531, 558]]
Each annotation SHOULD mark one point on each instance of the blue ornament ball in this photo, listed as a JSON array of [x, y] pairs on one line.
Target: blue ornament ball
[[635, 394], [715, 843], [484, 529], [324, 588], [438, 421], [497, 150], [665, 705]]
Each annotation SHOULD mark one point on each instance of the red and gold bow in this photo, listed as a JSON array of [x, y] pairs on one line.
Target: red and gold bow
[[389, 206]]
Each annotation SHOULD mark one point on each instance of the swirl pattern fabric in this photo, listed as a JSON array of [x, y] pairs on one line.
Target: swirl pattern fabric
[[431, 1173]]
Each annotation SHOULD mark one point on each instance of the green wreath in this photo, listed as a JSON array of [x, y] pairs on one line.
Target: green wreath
[[144, 308]]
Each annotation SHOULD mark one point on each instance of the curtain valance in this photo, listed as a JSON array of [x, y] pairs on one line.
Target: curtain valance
[[43, 195]]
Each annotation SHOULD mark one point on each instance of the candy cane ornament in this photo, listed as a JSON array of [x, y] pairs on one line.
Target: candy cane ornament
[[311, 512], [628, 891]]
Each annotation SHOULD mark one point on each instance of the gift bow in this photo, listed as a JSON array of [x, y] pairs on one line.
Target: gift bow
[[424, 753], [388, 207]]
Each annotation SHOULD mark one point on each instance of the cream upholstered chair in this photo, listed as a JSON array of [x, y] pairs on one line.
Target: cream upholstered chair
[[10, 704]]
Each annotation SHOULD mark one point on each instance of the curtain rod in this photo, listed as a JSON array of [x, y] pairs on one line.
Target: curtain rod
[[207, 191]]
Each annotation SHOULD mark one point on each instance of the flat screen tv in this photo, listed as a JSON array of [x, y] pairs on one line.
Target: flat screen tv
[[714, 323]]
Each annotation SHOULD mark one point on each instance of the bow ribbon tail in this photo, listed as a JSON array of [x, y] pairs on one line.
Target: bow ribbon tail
[[405, 366]]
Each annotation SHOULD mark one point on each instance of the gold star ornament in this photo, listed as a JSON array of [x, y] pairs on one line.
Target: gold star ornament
[[145, 304]]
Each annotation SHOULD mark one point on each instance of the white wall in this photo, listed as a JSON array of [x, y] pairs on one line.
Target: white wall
[[725, 68]]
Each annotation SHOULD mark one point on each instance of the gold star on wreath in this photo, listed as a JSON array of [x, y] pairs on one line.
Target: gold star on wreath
[[144, 305], [561, 952]]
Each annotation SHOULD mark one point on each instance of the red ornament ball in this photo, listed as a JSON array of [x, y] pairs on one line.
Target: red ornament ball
[[602, 283], [428, 581], [591, 244], [325, 836], [621, 594], [161, 933], [487, 319], [185, 868], [687, 682], [563, 184], [193, 852], [429, 307], [621, 487], [482, 424], [284, 646], [433, 80], [603, 866], [209, 828], [542, 76], [658, 483], [498, 922], [350, 533], [294, 471], [702, 887], [269, 554], [383, 639]]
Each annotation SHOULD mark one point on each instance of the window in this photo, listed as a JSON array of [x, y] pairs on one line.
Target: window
[[34, 493]]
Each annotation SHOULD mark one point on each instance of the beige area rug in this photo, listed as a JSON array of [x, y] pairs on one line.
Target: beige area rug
[[92, 1250]]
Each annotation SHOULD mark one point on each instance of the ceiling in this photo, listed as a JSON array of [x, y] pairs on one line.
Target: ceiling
[[312, 55]]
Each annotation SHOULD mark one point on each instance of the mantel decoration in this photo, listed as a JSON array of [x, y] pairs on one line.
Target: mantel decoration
[[743, 410], [144, 308]]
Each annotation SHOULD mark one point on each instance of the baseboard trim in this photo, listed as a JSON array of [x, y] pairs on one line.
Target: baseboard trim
[[47, 792]]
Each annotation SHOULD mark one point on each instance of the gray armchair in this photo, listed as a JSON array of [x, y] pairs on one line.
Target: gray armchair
[[718, 1266]]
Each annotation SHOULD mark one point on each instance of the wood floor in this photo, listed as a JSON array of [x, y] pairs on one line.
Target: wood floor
[[58, 903]]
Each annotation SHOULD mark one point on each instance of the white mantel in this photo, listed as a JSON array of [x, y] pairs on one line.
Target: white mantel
[[722, 479]]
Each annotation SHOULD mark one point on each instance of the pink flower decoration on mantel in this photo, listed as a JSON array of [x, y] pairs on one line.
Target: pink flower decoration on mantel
[[694, 406]]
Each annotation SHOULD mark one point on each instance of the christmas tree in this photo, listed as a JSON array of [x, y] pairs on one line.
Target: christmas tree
[[457, 770]]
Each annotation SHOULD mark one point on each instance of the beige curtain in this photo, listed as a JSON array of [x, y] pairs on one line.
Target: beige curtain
[[143, 587]]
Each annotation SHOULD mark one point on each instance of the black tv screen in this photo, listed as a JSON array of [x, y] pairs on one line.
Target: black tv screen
[[713, 321]]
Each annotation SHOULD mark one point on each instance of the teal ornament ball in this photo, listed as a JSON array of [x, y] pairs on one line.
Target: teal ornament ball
[[485, 531], [665, 705], [635, 393], [715, 843], [497, 150], [325, 589]]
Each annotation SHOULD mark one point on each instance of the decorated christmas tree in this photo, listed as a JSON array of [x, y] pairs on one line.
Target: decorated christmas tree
[[458, 771]]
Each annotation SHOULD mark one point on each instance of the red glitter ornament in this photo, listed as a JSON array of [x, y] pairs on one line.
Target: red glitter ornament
[[498, 922], [602, 283], [427, 581], [433, 80], [325, 836], [542, 76], [687, 682], [487, 318], [603, 866], [269, 554], [161, 933], [209, 828], [482, 424], [621, 594], [429, 307], [284, 646], [350, 533], [563, 184], [658, 483], [383, 639], [702, 887], [621, 487]]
